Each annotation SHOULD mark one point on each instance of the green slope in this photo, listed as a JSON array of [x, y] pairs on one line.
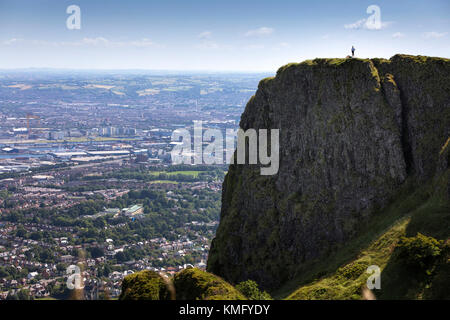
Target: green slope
[[347, 282], [195, 284], [425, 211]]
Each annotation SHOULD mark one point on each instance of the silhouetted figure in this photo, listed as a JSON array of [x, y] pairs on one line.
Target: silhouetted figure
[[353, 51]]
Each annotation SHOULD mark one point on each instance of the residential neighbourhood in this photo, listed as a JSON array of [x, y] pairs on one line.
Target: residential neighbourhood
[[88, 180]]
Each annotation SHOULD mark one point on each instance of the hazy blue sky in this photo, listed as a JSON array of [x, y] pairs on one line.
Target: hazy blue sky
[[231, 35]]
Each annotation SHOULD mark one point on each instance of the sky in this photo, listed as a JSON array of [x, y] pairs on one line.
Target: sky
[[231, 35]]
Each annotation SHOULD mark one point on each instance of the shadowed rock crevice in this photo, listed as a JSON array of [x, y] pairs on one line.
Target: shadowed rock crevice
[[407, 153], [396, 100]]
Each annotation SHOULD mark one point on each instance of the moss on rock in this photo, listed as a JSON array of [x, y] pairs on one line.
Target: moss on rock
[[195, 284], [145, 285]]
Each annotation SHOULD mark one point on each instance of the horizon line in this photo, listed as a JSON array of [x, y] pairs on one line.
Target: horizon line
[[36, 69]]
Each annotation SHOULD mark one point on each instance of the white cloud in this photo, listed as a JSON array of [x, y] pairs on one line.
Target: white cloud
[[143, 43], [260, 32], [254, 47], [97, 41], [356, 25], [434, 35], [208, 45], [281, 46], [398, 35], [211, 45], [205, 35], [11, 41], [368, 25], [43, 43]]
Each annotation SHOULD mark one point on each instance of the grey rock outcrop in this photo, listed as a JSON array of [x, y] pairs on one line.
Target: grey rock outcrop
[[352, 131]]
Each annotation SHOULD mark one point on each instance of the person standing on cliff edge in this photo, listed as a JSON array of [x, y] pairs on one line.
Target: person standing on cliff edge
[[353, 51]]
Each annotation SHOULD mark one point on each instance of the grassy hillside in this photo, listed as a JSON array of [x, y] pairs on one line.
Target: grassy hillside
[[425, 211], [348, 280]]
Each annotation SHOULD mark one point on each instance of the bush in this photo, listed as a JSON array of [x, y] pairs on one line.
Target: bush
[[353, 270], [250, 289], [144, 285], [96, 252], [195, 284], [420, 251]]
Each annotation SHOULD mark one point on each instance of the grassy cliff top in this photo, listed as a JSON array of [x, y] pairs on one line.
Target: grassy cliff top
[[335, 62]]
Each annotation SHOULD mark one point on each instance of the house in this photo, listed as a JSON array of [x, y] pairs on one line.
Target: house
[[133, 211], [201, 265], [66, 258]]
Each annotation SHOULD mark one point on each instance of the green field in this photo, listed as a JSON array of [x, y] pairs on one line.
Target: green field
[[163, 181], [194, 174]]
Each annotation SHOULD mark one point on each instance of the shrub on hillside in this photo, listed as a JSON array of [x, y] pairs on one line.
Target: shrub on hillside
[[195, 284], [353, 270], [420, 251], [144, 285], [250, 289]]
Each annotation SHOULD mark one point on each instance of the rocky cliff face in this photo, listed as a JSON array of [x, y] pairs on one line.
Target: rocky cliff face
[[352, 131]]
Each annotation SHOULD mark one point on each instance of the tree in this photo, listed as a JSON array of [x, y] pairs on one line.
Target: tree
[[21, 232], [96, 252], [106, 270], [61, 267], [420, 251], [121, 256], [12, 296], [24, 294], [250, 289], [144, 285], [36, 236]]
